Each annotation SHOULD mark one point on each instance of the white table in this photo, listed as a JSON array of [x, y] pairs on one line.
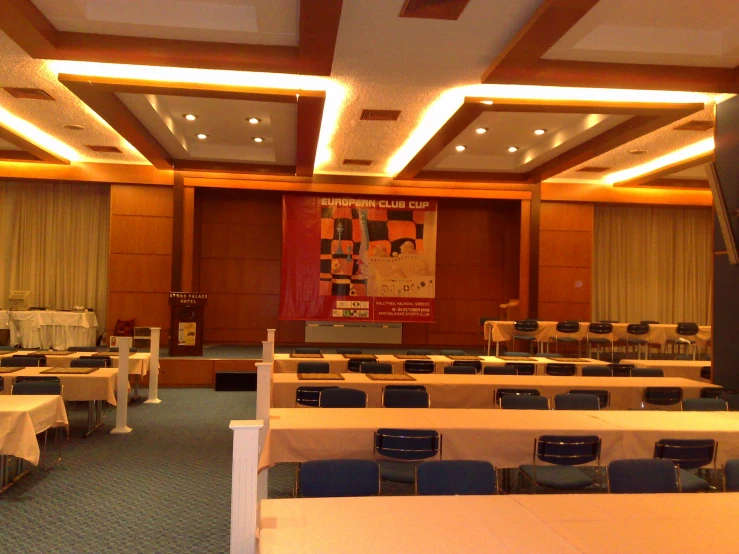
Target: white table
[[22, 418], [138, 363], [50, 328], [515, 524]]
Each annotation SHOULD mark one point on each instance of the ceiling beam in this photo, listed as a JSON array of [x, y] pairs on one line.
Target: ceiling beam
[[657, 175], [310, 115], [36, 153]]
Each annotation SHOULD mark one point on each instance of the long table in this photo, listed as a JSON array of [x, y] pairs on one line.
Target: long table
[[138, 363], [478, 391], [511, 524], [95, 386], [659, 333], [50, 328], [22, 418], [688, 369], [503, 437]]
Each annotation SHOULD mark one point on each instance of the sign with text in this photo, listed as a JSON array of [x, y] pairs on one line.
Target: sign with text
[[358, 259]]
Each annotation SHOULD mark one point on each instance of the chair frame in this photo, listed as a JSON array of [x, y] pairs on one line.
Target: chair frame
[[428, 397], [537, 442]]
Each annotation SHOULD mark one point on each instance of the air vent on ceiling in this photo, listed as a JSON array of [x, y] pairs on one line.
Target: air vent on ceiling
[[593, 169], [100, 148], [28, 93], [354, 161], [434, 9], [696, 125], [380, 115]]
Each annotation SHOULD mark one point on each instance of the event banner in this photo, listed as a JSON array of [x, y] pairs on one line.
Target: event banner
[[358, 259]]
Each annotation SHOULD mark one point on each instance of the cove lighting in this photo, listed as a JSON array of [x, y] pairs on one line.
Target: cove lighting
[[695, 150], [35, 135]]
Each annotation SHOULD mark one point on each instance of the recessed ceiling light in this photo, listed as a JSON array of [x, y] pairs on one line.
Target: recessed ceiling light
[[460, 148], [487, 102], [637, 152], [257, 139], [202, 136], [254, 120], [481, 130], [73, 127], [513, 149], [539, 131], [190, 116]]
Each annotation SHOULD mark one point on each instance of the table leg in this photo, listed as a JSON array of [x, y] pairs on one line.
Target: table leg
[[94, 416]]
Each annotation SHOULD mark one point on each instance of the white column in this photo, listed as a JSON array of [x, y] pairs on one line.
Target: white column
[[244, 502], [268, 351], [264, 399], [154, 367], [121, 411], [271, 335]]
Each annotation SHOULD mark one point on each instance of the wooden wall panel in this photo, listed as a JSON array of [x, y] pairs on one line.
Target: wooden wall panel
[[138, 200], [565, 261], [132, 234], [126, 272], [186, 373]]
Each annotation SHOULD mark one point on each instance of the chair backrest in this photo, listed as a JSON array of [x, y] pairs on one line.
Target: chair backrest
[[91, 361], [499, 370], [706, 373], [405, 398], [647, 372], [564, 370], [23, 361], [523, 402], [621, 370], [637, 328], [313, 367], [567, 326], [662, 396], [652, 475], [451, 477], [500, 393], [705, 405], [407, 444], [349, 351], [452, 352], [731, 475], [342, 398], [307, 350], [37, 387], [687, 453], [650, 322], [526, 325], [604, 397], [116, 349], [600, 328], [518, 354], [477, 364], [376, 367], [419, 366], [523, 368], [580, 401], [333, 478], [82, 348], [460, 370], [567, 450], [732, 400], [418, 352], [687, 328], [308, 396], [715, 392], [596, 371]]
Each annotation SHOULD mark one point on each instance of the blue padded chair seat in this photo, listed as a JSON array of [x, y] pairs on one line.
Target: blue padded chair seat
[[558, 477], [450, 477], [690, 482], [334, 478]]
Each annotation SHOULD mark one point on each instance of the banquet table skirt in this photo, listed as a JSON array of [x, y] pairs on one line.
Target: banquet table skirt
[[98, 385], [22, 418], [478, 391], [51, 329]]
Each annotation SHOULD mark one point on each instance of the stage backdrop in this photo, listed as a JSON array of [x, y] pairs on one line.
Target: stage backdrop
[[358, 259]]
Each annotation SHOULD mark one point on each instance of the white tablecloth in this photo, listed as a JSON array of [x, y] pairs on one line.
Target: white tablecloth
[[98, 385], [138, 363], [687, 369], [22, 418], [51, 329]]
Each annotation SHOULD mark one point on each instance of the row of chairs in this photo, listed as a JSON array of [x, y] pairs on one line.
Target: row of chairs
[[410, 352], [21, 360]]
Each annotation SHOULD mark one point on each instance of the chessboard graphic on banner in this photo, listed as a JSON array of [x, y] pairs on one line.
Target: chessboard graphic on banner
[[376, 258]]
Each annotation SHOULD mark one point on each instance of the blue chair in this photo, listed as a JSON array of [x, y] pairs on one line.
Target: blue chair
[[523, 368], [91, 361], [307, 350], [715, 392], [517, 354], [130, 350], [452, 477], [499, 370], [522, 332], [342, 398], [561, 370], [688, 454], [460, 370], [569, 401], [596, 371], [419, 366], [687, 332], [452, 352], [621, 370], [732, 400], [349, 351], [647, 372], [402, 448], [23, 361], [652, 475], [563, 334], [51, 386], [313, 367], [523, 402], [477, 364], [82, 349], [337, 478], [706, 373], [563, 453], [705, 405], [500, 393], [375, 367], [419, 352], [604, 397], [405, 398], [309, 396], [731, 476], [596, 336], [662, 396], [638, 335]]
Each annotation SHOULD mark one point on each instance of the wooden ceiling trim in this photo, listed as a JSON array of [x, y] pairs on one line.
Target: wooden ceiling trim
[[317, 29], [667, 170], [596, 193], [88, 172], [28, 148], [679, 183], [310, 115], [108, 106], [233, 167], [17, 156], [476, 176], [544, 105]]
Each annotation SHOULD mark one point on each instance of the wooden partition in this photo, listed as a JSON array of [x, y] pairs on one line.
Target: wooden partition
[[140, 261], [565, 261]]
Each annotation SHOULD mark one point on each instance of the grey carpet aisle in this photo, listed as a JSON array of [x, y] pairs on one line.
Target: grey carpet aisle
[[165, 488]]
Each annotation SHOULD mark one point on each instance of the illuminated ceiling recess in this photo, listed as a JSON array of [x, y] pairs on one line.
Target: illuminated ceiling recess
[[38, 137]]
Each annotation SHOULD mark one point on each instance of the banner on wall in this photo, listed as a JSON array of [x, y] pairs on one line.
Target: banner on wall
[[358, 259]]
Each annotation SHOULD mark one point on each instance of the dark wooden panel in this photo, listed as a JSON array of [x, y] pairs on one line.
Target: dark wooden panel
[[558, 311], [224, 275], [415, 333], [470, 282], [564, 216], [234, 365], [440, 340], [132, 234], [235, 336], [241, 207], [564, 284], [139, 272], [290, 332], [242, 311], [566, 248], [150, 309], [176, 372], [226, 240]]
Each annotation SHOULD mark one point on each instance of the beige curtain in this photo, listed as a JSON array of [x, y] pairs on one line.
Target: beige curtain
[[652, 263], [54, 242]]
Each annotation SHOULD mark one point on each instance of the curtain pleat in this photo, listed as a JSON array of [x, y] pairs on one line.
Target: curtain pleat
[[54, 239], [652, 263]]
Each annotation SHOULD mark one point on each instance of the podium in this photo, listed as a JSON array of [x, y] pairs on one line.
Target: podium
[[186, 332]]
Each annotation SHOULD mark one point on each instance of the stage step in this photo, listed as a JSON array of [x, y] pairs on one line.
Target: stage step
[[236, 381]]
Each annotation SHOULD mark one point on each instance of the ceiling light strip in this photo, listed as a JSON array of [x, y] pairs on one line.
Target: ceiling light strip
[[38, 137]]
